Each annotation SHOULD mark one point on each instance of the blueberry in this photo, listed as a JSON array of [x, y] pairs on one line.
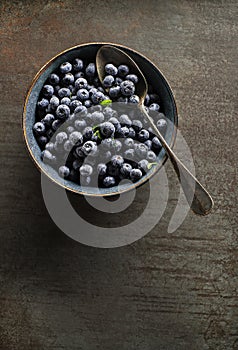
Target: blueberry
[[62, 112], [111, 69], [122, 132], [54, 79], [97, 97], [122, 99], [83, 94], [70, 129], [88, 118], [143, 135], [86, 170], [50, 146], [42, 140], [77, 64], [49, 134], [80, 124], [129, 154], [88, 133], [127, 88], [48, 119], [48, 90], [125, 120], [74, 104], [134, 99], [56, 124], [65, 67], [154, 107], [141, 150], [151, 156], [129, 142], [114, 91], [148, 143], [85, 180], [79, 75], [54, 102], [78, 152], [154, 98], [123, 70], [143, 165], [61, 137], [89, 147], [107, 129], [109, 181], [68, 146], [137, 125], [161, 125], [135, 174], [101, 89], [133, 78], [117, 145], [117, 160], [39, 128], [81, 83], [147, 100], [57, 87], [48, 157], [68, 79], [125, 170], [96, 82], [92, 91], [132, 133], [118, 81], [97, 118], [80, 111], [43, 103], [108, 81], [64, 92], [76, 138], [115, 122], [63, 171], [65, 101], [109, 112], [156, 145], [107, 143], [73, 90], [101, 169], [87, 103], [90, 70]]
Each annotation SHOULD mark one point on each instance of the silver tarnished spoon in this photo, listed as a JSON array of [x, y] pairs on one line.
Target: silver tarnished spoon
[[198, 198]]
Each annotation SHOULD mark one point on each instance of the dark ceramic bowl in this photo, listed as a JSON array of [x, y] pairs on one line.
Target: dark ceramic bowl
[[88, 51]]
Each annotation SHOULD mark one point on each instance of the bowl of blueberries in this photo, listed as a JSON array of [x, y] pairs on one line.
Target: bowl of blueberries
[[90, 136]]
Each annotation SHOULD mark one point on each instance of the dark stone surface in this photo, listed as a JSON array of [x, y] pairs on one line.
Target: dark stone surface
[[166, 291]]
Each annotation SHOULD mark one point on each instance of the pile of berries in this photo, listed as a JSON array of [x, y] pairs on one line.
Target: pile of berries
[[90, 130]]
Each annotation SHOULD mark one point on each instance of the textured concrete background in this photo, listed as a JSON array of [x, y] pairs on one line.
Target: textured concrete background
[[166, 291]]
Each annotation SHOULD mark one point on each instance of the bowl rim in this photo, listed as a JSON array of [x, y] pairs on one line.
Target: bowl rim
[[85, 193]]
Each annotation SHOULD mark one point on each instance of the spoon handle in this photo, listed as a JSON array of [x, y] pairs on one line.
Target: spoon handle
[[198, 198]]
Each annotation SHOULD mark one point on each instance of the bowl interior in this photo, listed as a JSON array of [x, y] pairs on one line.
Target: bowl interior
[[88, 52]]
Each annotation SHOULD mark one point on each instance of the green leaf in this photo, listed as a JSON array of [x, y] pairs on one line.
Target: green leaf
[[149, 165], [106, 102], [97, 133]]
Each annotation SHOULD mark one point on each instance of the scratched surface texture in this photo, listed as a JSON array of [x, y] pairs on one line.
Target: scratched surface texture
[[173, 291]]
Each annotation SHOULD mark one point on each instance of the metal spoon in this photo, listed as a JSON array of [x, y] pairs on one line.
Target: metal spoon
[[198, 198]]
